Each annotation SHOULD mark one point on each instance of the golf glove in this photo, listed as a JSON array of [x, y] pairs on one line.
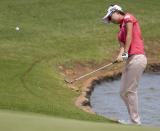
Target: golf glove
[[125, 56]]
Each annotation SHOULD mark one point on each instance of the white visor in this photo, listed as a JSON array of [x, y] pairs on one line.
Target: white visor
[[110, 10]]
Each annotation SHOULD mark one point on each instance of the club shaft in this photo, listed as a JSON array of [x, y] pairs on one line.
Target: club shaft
[[94, 71]]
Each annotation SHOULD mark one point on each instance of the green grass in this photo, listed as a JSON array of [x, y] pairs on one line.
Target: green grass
[[55, 32], [16, 121]]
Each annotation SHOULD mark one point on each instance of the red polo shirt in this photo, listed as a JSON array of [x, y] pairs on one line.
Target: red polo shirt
[[137, 45]]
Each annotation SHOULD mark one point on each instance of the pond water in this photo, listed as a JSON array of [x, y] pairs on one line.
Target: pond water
[[106, 101]]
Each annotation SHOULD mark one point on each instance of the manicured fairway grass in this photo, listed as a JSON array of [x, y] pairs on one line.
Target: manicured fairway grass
[[55, 32], [14, 121]]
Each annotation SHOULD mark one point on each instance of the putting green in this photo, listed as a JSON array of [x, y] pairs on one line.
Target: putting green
[[15, 121]]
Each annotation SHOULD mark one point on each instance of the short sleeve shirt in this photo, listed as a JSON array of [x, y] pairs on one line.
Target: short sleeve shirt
[[137, 44]]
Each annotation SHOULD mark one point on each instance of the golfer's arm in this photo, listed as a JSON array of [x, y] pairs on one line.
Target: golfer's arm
[[121, 49], [129, 27]]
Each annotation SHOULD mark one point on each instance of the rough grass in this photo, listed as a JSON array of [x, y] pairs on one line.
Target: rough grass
[[55, 32]]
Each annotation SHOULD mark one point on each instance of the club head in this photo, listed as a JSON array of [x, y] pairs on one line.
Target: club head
[[69, 81]]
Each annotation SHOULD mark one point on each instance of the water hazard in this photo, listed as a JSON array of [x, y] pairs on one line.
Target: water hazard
[[105, 100]]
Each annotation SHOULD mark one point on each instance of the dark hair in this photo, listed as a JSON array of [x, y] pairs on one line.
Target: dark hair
[[117, 11], [120, 12]]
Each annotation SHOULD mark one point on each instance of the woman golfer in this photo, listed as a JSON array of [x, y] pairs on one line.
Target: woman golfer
[[131, 50]]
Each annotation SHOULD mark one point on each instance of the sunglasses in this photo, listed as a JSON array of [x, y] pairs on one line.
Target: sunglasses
[[109, 17]]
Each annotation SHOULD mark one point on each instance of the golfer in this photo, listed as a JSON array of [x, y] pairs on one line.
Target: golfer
[[131, 51]]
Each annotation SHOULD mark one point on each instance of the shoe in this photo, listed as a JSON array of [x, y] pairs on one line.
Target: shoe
[[124, 122], [137, 123]]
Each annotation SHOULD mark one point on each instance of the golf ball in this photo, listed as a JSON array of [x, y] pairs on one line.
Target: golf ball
[[17, 28]]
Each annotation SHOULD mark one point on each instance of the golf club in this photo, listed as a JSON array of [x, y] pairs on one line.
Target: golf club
[[76, 79]]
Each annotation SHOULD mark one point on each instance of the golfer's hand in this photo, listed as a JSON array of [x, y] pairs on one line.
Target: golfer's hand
[[125, 56], [119, 58]]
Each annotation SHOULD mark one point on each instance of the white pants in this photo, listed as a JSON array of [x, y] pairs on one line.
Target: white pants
[[131, 74]]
